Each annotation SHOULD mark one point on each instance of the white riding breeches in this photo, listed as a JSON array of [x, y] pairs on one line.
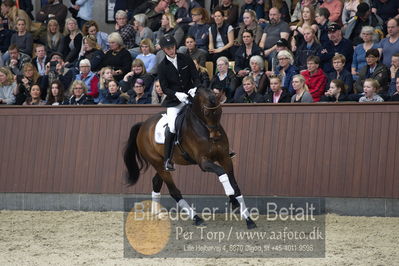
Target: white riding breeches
[[171, 113]]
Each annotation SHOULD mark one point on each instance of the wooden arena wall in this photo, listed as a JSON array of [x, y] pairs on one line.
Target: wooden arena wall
[[319, 150]]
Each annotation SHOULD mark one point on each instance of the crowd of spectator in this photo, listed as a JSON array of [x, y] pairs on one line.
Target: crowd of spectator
[[267, 51]]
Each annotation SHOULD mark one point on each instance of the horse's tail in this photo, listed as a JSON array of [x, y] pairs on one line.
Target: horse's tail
[[133, 160]]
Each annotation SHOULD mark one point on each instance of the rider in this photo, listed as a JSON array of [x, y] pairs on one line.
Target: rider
[[178, 77]]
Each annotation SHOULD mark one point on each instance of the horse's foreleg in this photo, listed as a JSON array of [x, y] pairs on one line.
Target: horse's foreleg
[[225, 173]]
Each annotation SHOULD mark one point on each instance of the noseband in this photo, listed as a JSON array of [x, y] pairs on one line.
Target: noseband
[[214, 132]]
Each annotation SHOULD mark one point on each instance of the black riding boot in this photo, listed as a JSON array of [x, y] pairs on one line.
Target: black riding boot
[[169, 139]]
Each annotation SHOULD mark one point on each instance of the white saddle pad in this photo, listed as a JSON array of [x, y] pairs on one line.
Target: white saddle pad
[[160, 130]]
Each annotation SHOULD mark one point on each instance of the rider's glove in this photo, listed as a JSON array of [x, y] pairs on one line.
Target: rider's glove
[[182, 97], [192, 91]]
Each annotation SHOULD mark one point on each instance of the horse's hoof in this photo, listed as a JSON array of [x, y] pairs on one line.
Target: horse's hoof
[[234, 204], [250, 224], [198, 220]]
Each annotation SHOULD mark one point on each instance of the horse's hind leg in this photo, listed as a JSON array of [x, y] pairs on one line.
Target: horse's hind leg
[[176, 194], [156, 193], [225, 173]]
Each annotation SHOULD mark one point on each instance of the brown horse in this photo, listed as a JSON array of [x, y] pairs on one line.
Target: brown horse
[[203, 139]]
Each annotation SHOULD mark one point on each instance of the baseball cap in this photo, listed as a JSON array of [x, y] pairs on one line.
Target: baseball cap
[[334, 27]]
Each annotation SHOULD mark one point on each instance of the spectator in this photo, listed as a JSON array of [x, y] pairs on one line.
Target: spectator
[[91, 28], [276, 30], [337, 45], [249, 23], [72, 41], [322, 15], [221, 37], [336, 92], [253, 5], [183, 13], [56, 70], [56, 95], [85, 11], [359, 55], [125, 30], [169, 27], [7, 86], [137, 72], [5, 37], [55, 9], [200, 29], [105, 77], [203, 74], [114, 95], [297, 14], [315, 78], [34, 96], [286, 70], [307, 20], [139, 96], [311, 46], [282, 6], [128, 5], [41, 59], [386, 9], [363, 18], [29, 77], [52, 37], [335, 8], [220, 94], [91, 51], [281, 45], [394, 74], [390, 45], [248, 49], [277, 94], [78, 91], [302, 94], [89, 78], [371, 86], [395, 95], [157, 96], [250, 94], [258, 74], [27, 6], [10, 12], [340, 73], [229, 12], [154, 11], [192, 50], [349, 11], [147, 55], [16, 60], [373, 70], [22, 39], [224, 78], [117, 57], [141, 28]]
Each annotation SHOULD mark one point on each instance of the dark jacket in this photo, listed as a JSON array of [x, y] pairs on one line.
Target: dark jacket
[[128, 86], [341, 98], [70, 55], [174, 80], [122, 60], [289, 74], [253, 98], [381, 74], [201, 35], [146, 99], [285, 97], [302, 53], [344, 47], [95, 57], [85, 99], [260, 13], [223, 30], [242, 59], [113, 98], [345, 76], [5, 39], [229, 84]]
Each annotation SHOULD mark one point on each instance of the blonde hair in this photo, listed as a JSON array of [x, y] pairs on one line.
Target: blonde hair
[[171, 19], [74, 84], [92, 41], [9, 76], [36, 74], [103, 82], [67, 32], [116, 37], [302, 80], [287, 54], [149, 43], [49, 35]]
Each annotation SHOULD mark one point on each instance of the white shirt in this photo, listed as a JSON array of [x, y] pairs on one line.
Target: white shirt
[[173, 60]]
